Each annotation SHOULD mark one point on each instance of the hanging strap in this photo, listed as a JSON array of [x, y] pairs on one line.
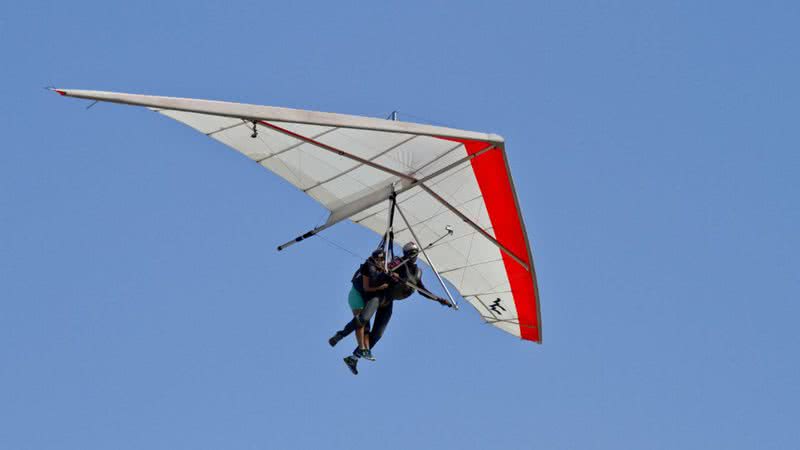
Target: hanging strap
[[387, 242]]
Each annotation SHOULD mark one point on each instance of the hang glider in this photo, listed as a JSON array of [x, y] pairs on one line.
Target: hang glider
[[440, 177]]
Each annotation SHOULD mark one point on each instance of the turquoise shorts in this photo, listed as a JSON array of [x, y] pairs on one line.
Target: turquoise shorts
[[355, 300]]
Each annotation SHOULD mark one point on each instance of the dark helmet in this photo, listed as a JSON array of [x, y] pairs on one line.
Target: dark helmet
[[378, 254], [410, 250]]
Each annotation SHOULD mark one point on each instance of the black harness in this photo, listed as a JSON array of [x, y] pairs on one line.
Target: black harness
[[387, 241]]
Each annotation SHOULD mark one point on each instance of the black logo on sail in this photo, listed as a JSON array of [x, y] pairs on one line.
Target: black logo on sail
[[495, 306]]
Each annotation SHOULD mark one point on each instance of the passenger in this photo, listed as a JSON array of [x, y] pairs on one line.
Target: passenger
[[369, 283]]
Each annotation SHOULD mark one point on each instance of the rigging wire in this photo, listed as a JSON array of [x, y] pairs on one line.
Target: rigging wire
[[334, 244]]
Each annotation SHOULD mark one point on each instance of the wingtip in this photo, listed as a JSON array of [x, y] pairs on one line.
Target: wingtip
[[59, 91]]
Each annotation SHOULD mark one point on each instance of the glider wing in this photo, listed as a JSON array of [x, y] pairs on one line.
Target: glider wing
[[442, 177]]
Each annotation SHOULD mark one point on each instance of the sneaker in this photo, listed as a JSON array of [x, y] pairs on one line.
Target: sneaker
[[335, 339], [366, 354], [352, 362]]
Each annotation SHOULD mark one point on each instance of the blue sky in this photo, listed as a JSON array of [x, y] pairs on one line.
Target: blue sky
[[654, 147]]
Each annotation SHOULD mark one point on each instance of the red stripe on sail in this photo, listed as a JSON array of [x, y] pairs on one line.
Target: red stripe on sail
[[495, 185]]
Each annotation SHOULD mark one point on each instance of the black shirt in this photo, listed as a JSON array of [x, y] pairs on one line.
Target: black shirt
[[410, 272], [374, 275]]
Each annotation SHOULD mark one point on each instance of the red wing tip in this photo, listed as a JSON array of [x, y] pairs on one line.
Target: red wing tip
[[60, 91]]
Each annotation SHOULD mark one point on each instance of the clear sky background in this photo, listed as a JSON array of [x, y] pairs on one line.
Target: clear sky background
[[655, 151]]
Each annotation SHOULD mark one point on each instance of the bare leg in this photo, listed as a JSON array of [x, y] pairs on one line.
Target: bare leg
[[359, 331], [361, 319]]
